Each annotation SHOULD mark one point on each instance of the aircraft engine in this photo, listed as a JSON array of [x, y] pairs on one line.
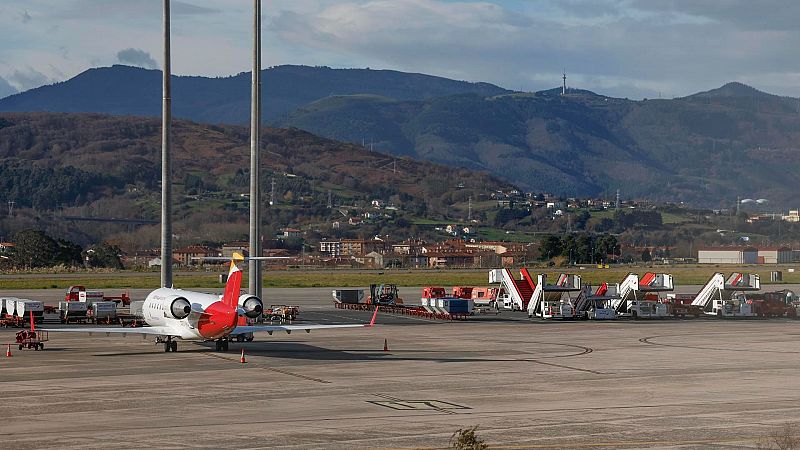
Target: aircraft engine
[[252, 305], [180, 308]]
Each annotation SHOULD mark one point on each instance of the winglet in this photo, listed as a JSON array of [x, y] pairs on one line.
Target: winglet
[[372, 322]]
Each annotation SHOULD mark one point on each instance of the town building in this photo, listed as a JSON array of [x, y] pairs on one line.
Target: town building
[[193, 254]]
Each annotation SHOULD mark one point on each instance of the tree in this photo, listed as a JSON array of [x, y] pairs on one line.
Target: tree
[[646, 255], [550, 247], [103, 255], [33, 248]]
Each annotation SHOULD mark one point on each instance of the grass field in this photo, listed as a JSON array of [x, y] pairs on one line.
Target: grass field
[[683, 275]]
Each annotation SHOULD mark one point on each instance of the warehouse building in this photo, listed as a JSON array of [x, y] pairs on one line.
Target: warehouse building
[[774, 255], [728, 255]]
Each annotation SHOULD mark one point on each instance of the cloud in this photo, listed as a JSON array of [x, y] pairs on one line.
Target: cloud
[[6, 89], [627, 48], [28, 79], [137, 57]]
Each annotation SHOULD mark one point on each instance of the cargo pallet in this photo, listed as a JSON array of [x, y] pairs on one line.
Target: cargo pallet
[[416, 311]]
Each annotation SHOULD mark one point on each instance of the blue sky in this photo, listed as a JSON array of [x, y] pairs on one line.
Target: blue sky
[[625, 48]]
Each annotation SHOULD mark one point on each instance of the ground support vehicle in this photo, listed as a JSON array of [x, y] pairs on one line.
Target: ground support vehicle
[[680, 306], [384, 295], [554, 301], [595, 305], [283, 313], [72, 312], [405, 310], [102, 312], [31, 339], [722, 297], [639, 298], [513, 294], [774, 304], [79, 293], [429, 296]]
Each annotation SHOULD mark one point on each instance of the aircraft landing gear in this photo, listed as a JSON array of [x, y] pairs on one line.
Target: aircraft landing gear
[[221, 345], [169, 344]]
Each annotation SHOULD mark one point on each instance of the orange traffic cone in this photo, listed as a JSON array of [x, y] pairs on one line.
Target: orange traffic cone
[[8, 351], [386, 345], [242, 360]]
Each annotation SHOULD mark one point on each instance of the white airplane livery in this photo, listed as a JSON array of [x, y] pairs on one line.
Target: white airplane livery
[[177, 314]]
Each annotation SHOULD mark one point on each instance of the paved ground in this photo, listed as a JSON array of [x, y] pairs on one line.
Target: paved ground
[[625, 384]]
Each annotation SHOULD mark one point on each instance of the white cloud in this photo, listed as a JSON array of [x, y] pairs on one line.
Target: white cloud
[[633, 48], [6, 89], [137, 57]]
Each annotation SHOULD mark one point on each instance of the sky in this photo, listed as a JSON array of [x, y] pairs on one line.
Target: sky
[[622, 48]]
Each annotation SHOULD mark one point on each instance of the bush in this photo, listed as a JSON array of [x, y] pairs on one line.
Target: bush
[[465, 439], [782, 437]]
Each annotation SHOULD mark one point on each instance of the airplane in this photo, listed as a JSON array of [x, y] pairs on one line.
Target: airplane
[[177, 314]]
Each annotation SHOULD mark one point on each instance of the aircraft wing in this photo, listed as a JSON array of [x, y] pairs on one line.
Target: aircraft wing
[[157, 331], [307, 328]]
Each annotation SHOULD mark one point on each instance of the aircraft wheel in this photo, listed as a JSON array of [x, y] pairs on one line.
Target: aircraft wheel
[[166, 347], [224, 346], [173, 346]]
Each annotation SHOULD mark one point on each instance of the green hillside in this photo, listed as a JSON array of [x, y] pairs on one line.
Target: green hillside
[[703, 149]]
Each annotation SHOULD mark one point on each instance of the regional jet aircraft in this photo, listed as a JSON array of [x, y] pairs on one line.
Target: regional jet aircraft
[[177, 314]]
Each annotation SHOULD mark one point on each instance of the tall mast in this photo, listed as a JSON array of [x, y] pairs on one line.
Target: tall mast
[[166, 168], [254, 278]]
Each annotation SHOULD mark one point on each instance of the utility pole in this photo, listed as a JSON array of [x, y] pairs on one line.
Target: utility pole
[[254, 265], [469, 209], [11, 207], [616, 204], [330, 199], [272, 191], [166, 164]]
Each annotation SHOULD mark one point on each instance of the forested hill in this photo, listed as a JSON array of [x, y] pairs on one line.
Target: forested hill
[[56, 160], [705, 149], [125, 90]]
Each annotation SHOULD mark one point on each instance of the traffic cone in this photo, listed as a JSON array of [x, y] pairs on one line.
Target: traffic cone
[[242, 360], [8, 351], [386, 345]]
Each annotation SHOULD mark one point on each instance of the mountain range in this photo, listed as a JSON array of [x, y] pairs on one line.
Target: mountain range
[[706, 149]]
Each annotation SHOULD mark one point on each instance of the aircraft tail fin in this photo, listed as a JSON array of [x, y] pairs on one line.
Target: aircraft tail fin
[[234, 283]]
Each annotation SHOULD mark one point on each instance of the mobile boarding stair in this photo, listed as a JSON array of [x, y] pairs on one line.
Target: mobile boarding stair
[[639, 297], [554, 301], [597, 305], [514, 294], [726, 298]]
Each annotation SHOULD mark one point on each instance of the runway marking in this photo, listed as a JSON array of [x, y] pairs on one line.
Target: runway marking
[[646, 340], [272, 369], [564, 367], [616, 444], [398, 404]]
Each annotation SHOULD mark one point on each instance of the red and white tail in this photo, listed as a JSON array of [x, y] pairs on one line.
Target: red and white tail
[[234, 284]]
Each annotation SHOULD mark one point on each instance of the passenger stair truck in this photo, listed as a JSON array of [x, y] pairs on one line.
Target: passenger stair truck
[[639, 298], [553, 301], [726, 298], [596, 305], [514, 294]]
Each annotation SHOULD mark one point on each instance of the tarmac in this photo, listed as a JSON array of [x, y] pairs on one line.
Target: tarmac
[[695, 383]]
